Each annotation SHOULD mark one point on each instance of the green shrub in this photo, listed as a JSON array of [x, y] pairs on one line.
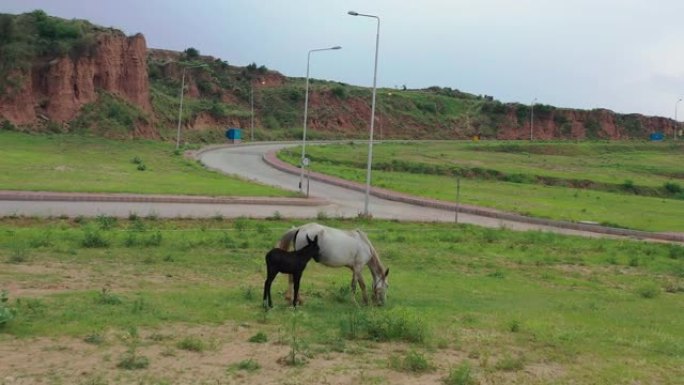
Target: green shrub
[[192, 344], [413, 361], [105, 297], [461, 375], [191, 53], [106, 222], [248, 365], [258, 338], [7, 313], [398, 324], [340, 92], [648, 290], [509, 363], [132, 361], [92, 238], [672, 187]]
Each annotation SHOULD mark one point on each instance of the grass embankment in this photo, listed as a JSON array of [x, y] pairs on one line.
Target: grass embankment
[[90, 164], [493, 305], [632, 185]]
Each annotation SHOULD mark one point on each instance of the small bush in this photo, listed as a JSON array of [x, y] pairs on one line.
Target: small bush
[[672, 187], [92, 238], [132, 361], [106, 222], [19, 255], [509, 363], [7, 313], [396, 325], [676, 251], [258, 338], [460, 376], [95, 339], [249, 365], [141, 167], [105, 297], [136, 160], [412, 362], [648, 290], [191, 344]]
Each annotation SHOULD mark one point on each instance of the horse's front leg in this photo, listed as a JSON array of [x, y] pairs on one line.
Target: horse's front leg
[[297, 279], [363, 287]]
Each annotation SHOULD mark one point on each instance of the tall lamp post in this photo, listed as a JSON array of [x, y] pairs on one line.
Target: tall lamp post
[[182, 91], [676, 123], [372, 122], [532, 117], [306, 111]]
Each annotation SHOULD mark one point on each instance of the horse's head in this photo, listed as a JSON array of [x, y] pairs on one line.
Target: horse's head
[[380, 289]]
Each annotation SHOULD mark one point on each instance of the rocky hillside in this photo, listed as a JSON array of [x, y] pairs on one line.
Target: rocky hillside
[[71, 76]]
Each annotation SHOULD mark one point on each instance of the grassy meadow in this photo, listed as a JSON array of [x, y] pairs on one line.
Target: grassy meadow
[[141, 297], [635, 185], [75, 163]]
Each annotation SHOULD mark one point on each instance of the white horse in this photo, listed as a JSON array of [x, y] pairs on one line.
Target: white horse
[[338, 248]]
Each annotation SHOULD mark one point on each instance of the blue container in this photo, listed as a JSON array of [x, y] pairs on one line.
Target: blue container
[[656, 136], [234, 134]]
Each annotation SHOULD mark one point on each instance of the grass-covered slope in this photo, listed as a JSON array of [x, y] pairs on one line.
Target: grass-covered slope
[[91, 164], [636, 185]]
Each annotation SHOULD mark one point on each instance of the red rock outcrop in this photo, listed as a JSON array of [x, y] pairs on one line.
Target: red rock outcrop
[[58, 88]]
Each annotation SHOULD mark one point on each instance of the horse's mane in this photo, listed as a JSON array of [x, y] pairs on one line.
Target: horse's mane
[[374, 262]]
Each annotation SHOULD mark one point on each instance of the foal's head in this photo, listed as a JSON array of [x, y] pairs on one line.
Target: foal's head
[[311, 250]]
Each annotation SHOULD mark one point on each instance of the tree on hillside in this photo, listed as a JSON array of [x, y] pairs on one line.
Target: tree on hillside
[[191, 53]]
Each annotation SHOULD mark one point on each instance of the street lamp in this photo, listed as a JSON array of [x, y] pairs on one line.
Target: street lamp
[[372, 122], [532, 117], [182, 91], [306, 111], [676, 123]]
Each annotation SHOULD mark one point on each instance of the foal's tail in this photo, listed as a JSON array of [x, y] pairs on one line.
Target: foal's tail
[[287, 238]]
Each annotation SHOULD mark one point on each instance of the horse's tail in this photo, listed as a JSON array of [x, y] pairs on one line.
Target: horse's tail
[[374, 254], [287, 238]]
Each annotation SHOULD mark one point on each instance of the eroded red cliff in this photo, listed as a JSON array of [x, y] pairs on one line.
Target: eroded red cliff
[[56, 89]]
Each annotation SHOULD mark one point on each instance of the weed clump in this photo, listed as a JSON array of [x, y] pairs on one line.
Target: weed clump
[[258, 338], [413, 362], [7, 313], [132, 361], [461, 375], [191, 344]]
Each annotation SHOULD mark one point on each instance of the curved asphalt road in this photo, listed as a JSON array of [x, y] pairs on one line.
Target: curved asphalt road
[[247, 161]]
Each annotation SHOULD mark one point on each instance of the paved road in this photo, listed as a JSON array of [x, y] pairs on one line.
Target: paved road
[[328, 199], [247, 162]]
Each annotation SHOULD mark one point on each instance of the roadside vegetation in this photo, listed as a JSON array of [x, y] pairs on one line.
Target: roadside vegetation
[[635, 185], [142, 297], [73, 163]]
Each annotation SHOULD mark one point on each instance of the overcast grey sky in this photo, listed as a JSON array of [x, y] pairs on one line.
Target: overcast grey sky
[[625, 55]]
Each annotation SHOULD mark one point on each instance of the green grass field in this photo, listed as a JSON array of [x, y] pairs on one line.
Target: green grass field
[[503, 306], [91, 164], [632, 185]]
